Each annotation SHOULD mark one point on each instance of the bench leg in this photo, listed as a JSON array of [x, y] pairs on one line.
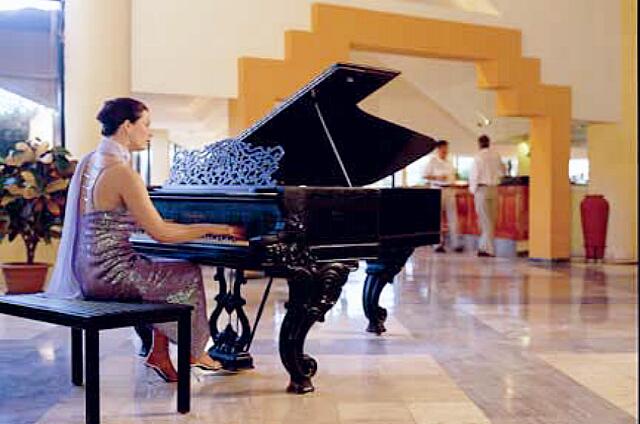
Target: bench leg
[[92, 388], [76, 356], [184, 348]]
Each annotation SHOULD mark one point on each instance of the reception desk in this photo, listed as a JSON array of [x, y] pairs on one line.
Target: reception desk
[[513, 212]]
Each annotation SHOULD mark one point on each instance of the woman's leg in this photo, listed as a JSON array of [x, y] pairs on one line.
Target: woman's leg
[[206, 362], [178, 282]]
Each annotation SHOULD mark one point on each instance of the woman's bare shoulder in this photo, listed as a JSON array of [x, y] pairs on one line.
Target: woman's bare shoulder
[[120, 176], [120, 170]]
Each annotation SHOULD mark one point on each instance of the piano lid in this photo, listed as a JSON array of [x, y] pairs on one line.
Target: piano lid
[[320, 150]]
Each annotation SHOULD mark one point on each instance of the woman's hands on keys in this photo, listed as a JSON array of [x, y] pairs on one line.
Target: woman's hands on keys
[[237, 232], [222, 230]]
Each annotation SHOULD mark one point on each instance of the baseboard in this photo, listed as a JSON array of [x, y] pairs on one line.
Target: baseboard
[[550, 262]]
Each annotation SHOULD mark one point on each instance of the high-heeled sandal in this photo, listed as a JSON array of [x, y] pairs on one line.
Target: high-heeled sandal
[[161, 373], [206, 367]]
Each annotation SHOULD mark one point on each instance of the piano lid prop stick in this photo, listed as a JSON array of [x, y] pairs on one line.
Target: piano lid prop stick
[[333, 145]]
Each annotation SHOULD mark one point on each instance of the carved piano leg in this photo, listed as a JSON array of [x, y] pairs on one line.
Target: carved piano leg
[[312, 292], [379, 273], [230, 346]]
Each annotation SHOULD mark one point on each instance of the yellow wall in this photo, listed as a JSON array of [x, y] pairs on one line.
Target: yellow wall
[[590, 32], [170, 56], [500, 66], [613, 152], [98, 54]]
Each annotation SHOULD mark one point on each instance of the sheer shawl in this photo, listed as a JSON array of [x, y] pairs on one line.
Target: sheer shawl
[[63, 282]]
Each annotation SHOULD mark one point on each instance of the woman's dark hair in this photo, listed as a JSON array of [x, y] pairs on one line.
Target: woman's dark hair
[[115, 111], [441, 143]]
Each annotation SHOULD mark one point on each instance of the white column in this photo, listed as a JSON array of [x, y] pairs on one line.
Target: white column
[[97, 65], [160, 157]]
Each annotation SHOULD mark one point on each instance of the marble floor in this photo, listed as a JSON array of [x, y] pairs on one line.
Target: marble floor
[[469, 340]]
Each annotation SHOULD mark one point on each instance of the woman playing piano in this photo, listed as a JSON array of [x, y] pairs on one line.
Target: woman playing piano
[[106, 202]]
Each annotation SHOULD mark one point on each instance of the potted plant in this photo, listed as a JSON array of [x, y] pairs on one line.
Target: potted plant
[[33, 187]]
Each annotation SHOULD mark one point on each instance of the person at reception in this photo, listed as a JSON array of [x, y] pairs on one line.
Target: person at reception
[[107, 200], [484, 176], [439, 173]]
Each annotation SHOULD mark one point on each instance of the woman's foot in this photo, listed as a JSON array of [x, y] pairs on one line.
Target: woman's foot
[[159, 360], [164, 368], [206, 363], [440, 249]]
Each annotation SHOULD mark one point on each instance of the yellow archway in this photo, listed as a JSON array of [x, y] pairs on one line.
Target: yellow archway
[[500, 66]]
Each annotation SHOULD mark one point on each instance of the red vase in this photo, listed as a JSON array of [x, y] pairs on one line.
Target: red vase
[[594, 211]]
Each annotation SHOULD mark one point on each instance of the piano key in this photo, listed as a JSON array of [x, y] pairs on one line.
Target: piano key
[[140, 237]]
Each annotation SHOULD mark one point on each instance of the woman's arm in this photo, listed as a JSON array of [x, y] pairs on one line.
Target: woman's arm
[[133, 194]]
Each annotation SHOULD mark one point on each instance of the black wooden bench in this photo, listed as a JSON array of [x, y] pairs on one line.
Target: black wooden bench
[[92, 317]]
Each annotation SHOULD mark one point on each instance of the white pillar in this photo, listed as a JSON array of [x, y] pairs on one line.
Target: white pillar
[[97, 65], [160, 165]]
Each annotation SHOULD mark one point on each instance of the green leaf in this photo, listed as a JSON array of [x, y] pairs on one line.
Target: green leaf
[[21, 217], [59, 150], [62, 163], [30, 178]]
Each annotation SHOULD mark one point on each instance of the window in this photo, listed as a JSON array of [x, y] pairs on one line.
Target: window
[[579, 170], [31, 95], [463, 166]]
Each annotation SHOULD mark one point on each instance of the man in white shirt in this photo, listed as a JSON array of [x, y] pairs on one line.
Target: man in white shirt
[[485, 174], [439, 173]]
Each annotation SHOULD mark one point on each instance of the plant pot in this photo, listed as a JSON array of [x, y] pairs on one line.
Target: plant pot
[[24, 278]]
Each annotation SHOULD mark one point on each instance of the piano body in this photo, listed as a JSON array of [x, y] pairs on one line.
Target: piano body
[[310, 221]]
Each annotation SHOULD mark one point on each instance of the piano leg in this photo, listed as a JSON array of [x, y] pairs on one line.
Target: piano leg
[[230, 345], [379, 273], [312, 292]]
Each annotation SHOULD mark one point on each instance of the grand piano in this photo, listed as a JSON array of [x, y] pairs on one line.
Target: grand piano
[[294, 181]]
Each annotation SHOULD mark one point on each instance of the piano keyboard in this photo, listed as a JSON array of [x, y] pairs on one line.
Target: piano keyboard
[[209, 240]]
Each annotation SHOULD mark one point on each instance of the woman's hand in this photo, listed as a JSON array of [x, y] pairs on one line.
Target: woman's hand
[[234, 231], [237, 232]]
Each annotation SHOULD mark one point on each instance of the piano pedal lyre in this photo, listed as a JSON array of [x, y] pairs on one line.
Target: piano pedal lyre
[[231, 345]]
